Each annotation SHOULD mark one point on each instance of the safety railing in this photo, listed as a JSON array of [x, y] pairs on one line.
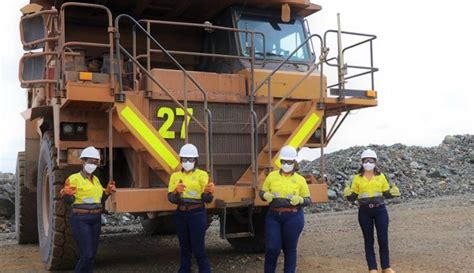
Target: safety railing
[[207, 126], [167, 52], [271, 106], [64, 46], [343, 67]]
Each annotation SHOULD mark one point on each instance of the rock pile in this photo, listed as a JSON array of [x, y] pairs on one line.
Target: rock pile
[[7, 203], [419, 172]]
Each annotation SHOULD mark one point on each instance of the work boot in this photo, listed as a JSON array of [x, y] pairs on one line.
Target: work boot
[[388, 270], [373, 271]]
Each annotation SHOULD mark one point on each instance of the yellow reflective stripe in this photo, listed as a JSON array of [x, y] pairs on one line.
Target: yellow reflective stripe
[[305, 130], [155, 143], [364, 195], [302, 133]]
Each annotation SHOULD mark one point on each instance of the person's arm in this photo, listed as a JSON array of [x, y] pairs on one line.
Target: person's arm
[[389, 192], [265, 193], [385, 187], [108, 190], [305, 193], [68, 191], [173, 197], [208, 188], [354, 189]]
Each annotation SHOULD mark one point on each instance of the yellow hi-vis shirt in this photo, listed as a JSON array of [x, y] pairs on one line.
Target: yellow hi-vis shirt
[[285, 186], [88, 192], [369, 188], [195, 182]]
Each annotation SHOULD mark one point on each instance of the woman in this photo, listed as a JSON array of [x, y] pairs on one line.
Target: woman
[[287, 192], [369, 188], [190, 188], [84, 191]]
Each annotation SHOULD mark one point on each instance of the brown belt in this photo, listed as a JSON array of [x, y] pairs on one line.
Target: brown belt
[[189, 207], [284, 209], [86, 211]]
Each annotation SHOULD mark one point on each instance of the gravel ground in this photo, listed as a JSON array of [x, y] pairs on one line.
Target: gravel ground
[[435, 235]]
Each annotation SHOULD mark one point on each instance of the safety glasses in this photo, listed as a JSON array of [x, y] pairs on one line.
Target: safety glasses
[[91, 161], [288, 162], [368, 160], [188, 159]]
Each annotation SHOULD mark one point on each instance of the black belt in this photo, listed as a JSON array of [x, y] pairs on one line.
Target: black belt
[[371, 205]]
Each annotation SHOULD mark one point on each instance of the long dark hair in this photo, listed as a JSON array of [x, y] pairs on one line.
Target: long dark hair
[[361, 171]]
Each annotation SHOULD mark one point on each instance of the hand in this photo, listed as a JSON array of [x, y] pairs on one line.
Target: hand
[[268, 197], [347, 191], [210, 187], [110, 187], [68, 189], [296, 200], [180, 187], [394, 191]]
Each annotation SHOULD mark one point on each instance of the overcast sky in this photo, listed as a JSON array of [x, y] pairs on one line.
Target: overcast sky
[[424, 51]]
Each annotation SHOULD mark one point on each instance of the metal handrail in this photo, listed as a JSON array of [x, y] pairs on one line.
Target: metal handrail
[[370, 69], [268, 78], [206, 126], [63, 44], [208, 27], [270, 108]]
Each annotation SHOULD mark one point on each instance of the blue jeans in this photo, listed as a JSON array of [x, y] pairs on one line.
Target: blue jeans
[[191, 228], [378, 216], [283, 230], [86, 233]]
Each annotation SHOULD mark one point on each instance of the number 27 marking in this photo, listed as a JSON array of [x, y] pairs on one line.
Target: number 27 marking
[[168, 114]]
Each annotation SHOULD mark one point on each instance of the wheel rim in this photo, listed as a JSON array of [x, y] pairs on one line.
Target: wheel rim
[[45, 203]]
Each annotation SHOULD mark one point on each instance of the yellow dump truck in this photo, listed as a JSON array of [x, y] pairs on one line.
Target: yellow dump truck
[[138, 79]]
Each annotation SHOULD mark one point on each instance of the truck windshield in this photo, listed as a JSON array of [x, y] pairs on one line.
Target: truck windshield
[[280, 38]]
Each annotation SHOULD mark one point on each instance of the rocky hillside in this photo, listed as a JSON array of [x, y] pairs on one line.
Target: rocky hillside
[[419, 172]]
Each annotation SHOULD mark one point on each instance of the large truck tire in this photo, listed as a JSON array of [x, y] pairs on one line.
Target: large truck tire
[[57, 247], [25, 206], [237, 221]]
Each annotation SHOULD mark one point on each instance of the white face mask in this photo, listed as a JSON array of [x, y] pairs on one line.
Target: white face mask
[[187, 166], [90, 168], [368, 166], [287, 167]]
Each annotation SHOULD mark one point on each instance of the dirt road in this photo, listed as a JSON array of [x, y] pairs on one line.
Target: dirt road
[[434, 235]]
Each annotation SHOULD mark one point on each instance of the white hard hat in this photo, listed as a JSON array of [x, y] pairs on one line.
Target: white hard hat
[[288, 153], [368, 154], [90, 152], [188, 150]]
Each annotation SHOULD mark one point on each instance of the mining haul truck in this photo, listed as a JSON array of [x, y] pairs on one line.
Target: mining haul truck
[[137, 79]]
